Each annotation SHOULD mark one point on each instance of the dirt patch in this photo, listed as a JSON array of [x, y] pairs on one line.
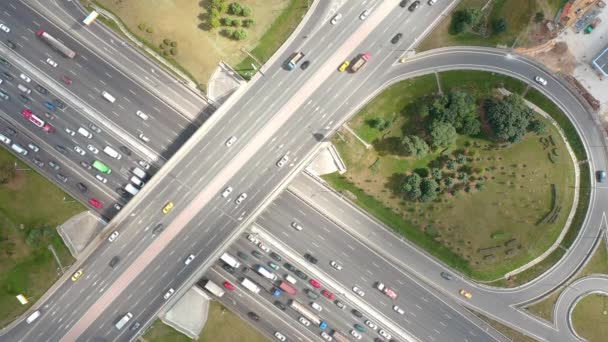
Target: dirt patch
[[17, 182], [555, 55]]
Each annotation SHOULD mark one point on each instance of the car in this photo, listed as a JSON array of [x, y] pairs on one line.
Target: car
[[301, 275], [141, 115], [371, 324], [189, 259], [359, 327], [276, 257], [263, 247], [11, 131], [356, 313], [61, 149], [113, 236], [11, 44], [135, 326], [5, 28], [256, 254], [404, 3], [69, 131], [336, 18], [398, 310], [66, 80], [296, 225], [62, 178], [335, 265], [280, 305], [168, 293], [158, 229], [355, 334], [143, 138], [228, 286], [325, 336], [77, 275], [273, 266], [54, 165], [101, 178], [253, 316], [315, 283], [42, 90], [143, 164], [282, 161], [83, 188], [466, 294], [540, 80], [279, 336], [396, 38], [241, 198], [384, 334], [125, 150], [79, 150], [253, 239], [167, 208], [115, 260], [414, 6], [95, 202], [304, 321], [305, 65], [446, 276], [601, 176], [5, 63], [92, 148], [38, 162], [123, 193], [7, 76], [316, 306], [230, 141], [289, 267], [432, 2], [24, 98], [344, 66], [50, 105], [49, 116], [59, 103], [51, 62], [94, 128], [310, 258], [229, 269], [25, 77], [85, 165], [117, 206], [365, 14], [311, 294], [242, 255], [358, 291], [328, 294], [227, 192], [33, 147]]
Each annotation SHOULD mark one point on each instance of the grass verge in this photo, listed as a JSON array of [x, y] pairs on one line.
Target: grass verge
[[590, 317], [515, 335]]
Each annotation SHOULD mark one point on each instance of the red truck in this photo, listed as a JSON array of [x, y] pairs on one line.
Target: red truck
[[387, 290], [285, 286], [360, 61]]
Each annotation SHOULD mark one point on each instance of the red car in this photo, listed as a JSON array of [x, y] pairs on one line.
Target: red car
[[314, 283], [228, 286], [66, 80], [328, 294], [94, 202]]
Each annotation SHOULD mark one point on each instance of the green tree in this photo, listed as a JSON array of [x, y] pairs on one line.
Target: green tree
[[248, 22], [442, 134], [448, 181], [537, 126], [239, 34], [374, 122], [461, 159], [246, 11], [451, 164], [480, 185], [428, 189], [499, 25], [458, 109], [227, 21], [235, 8], [539, 17], [458, 24], [411, 186], [214, 22], [436, 173], [415, 146], [509, 117], [236, 22], [472, 16]]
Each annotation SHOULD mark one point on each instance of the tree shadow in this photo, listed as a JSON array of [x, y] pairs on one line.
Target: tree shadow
[[394, 183], [389, 146]]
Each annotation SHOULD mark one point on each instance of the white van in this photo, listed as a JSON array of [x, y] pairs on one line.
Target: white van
[[139, 173], [85, 133], [137, 181], [5, 139], [108, 96], [290, 279], [123, 321], [24, 89], [131, 189], [111, 152], [33, 317], [19, 149]]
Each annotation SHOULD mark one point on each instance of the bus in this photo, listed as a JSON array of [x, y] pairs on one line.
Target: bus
[[293, 61], [54, 43], [101, 167], [230, 260], [304, 311], [90, 18]]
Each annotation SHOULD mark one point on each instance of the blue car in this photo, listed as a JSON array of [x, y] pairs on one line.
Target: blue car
[[50, 106], [601, 176]]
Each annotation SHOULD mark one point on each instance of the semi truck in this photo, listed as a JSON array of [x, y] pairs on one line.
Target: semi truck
[[214, 288], [360, 62], [54, 43], [285, 286]]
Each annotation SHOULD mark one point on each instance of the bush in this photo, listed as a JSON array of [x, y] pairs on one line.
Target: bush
[[150, 30], [173, 52], [162, 46], [142, 26], [415, 146], [246, 11], [167, 41], [214, 22], [235, 8], [227, 21], [236, 22], [539, 17], [248, 22], [227, 32], [499, 25], [239, 34], [165, 53], [174, 44]]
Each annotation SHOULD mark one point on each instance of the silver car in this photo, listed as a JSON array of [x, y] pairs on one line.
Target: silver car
[[241, 198]]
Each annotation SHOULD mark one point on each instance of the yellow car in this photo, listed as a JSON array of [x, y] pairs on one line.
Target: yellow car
[[167, 208], [466, 294], [77, 275], [344, 66]]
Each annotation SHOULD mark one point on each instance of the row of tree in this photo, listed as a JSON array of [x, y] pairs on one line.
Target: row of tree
[[219, 7], [471, 19]]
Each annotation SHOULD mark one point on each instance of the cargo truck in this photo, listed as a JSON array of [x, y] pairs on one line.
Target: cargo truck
[[214, 288], [359, 62]]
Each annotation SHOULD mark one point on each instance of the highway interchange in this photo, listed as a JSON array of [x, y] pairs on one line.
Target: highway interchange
[[291, 114]]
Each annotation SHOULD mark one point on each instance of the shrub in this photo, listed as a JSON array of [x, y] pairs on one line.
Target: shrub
[[167, 41], [165, 53], [246, 11], [248, 22], [173, 51], [499, 25], [227, 32], [539, 17], [236, 22], [162, 46], [239, 34], [227, 21], [150, 30], [214, 22], [142, 26], [174, 44], [235, 8]]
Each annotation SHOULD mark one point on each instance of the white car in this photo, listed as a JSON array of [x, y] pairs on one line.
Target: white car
[[355, 334], [230, 141], [279, 336], [51, 62], [33, 147], [540, 80], [336, 18], [358, 291], [113, 236], [304, 321], [335, 265], [371, 324], [92, 149], [69, 131], [143, 138], [282, 161], [253, 239], [101, 179], [25, 77], [398, 309], [431, 3], [168, 294], [296, 225], [141, 115], [5, 28], [316, 306], [189, 260], [384, 334], [79, 150], [227, 192], [263, 247], [143, 164], [325, 336], [365, 14], [241, 198]]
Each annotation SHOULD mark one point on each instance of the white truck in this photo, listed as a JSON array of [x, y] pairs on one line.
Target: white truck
[[250, 285], [214, 288], [230, 260]]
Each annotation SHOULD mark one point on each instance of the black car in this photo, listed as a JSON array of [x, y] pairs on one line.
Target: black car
[[135, 326], [357, 313], [404, 3], [396, 38], [276, 257], [125, 150], [378, 339], [310, 258], [290, 267], [54, 165], [158, 229], [256, 254], [311, 294], [62, 177], [242, 255], [280, 305], [245, 269], [61, 149], [83, 188], [11, 44], [446, 276], [42, 90], [85, 165], [305, 65], [253, 316], [4, 62], [59, 103], [228, 269], [414, 6], [115, 260], [7, 76], [11, 131], [123, 193], [301, 275], [24, 98], [340, 304]]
